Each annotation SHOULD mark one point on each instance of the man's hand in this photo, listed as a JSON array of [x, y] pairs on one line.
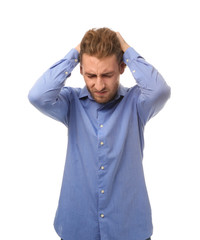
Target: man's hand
[[78, 47], [123, 43]]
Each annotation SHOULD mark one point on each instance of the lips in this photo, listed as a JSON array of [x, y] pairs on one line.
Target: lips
[[100, 93]]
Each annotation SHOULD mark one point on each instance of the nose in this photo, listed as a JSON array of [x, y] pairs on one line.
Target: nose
[[99, 85]]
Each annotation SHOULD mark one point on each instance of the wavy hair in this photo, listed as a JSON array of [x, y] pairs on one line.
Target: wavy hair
[[101, 42]]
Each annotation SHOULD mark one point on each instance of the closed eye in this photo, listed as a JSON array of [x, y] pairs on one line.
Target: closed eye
[[107, 75], [91, 76]]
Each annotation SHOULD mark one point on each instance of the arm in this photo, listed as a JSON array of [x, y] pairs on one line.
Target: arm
[[49, 94], [154, 92]]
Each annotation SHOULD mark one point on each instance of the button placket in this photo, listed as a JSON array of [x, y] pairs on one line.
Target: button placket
[[102, 167], [100, 130]]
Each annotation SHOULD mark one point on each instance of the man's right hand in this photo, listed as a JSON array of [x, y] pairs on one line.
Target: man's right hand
[[78, 47], [123, 43]]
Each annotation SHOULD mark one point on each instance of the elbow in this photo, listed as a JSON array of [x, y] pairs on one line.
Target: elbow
[[162, 90], [166, 92], [30, 97], [33, 98], [162, 95], [40, 100]]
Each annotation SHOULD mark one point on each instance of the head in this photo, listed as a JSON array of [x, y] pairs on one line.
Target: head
[[101, 63]]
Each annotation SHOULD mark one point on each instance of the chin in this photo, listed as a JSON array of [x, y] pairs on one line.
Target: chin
[[103, 101], [100, 101]]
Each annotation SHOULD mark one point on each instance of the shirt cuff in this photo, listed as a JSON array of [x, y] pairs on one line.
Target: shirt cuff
[[73, 54], [70, 61], [130, 54]]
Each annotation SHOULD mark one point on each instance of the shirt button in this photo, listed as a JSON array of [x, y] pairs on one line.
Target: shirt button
[[102, 167], [102, 191], [133, 71], [76, 60], [126, 60], [102, 143], [66, 73], [102, 215], [101, 125]]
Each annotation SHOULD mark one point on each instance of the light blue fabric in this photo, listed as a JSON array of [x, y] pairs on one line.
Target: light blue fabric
[[105, 151]]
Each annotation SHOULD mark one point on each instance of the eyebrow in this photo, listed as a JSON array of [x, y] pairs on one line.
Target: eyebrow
[[106, 73]]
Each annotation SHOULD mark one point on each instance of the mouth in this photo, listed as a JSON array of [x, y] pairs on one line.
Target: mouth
[[100, 93]]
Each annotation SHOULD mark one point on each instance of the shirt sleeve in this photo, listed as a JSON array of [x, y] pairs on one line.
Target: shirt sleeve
[[48, 94], [154, 91]]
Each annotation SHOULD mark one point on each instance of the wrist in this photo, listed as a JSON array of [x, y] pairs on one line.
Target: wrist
[[125, 46], [78, 48]]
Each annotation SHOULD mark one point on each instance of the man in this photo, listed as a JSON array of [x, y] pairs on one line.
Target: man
[[103, 194]]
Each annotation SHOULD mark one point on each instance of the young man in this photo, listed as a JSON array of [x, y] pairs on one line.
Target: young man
[[103, 194]]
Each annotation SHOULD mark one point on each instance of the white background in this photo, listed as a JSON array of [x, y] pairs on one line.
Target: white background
[[36, 34]]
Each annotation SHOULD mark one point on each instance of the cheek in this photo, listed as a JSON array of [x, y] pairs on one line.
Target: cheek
[[89, 82], [113, 83]]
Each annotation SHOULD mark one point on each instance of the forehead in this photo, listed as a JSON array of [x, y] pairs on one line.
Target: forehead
[[93, 64]]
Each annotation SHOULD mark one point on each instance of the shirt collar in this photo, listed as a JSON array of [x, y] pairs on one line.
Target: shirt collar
[[120, 92]]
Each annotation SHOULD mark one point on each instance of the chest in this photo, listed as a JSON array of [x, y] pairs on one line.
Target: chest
[[114, 118]]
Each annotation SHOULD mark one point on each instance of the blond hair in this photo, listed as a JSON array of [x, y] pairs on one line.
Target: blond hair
[[101, 42]]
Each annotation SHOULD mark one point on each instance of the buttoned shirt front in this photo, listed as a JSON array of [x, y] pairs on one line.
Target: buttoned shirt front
[[103, 194]]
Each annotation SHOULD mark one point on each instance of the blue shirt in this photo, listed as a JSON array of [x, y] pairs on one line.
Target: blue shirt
[[103, 194]]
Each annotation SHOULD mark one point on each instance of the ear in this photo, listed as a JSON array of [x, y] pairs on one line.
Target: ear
[[81, 70], [122, 66]]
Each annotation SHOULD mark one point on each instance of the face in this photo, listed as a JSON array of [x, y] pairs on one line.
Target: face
[[101, 76]]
